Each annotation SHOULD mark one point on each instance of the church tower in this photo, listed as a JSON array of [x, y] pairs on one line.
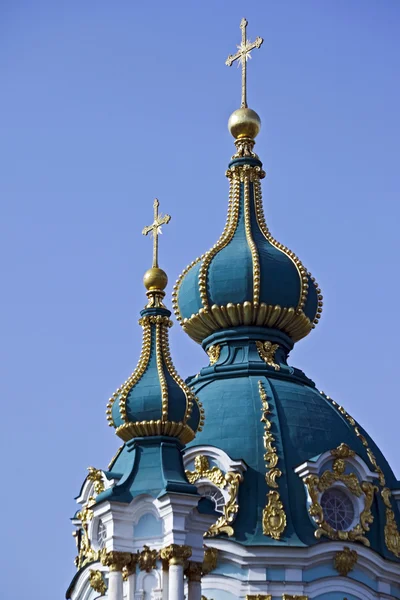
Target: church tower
[[282, 494]]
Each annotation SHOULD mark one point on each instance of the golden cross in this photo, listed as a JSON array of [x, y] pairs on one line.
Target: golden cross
[[155, 229], [243, 56]]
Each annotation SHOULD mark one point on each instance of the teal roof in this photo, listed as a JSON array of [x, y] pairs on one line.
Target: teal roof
[[304, 423], [246, 256]]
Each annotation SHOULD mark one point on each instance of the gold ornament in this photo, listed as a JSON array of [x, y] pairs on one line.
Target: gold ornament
[[345, 560], [210, 560], [258, 597], [97, 582], [274, 517], [155, 230], [86, 554], [176, 554], [243, 56], [392, 535], [147, 559], [317, 485], [214, 353], [96, 476], [267, 350], [295, 597], [193, 571], [229, 481], [115, 560]]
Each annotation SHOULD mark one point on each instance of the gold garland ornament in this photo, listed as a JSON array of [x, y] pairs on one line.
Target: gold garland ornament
[[96, 476], [267, 351], [345, 560], [316, 485], [214, 354], [97, 582], [229, 481], [274, 517], [392, 535]]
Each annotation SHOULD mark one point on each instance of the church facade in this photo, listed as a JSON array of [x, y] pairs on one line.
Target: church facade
[[244, 481]]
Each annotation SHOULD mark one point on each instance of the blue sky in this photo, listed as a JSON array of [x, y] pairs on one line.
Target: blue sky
[[106, 105]]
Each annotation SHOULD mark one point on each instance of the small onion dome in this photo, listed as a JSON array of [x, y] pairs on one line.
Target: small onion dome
[[247, 278], [154, 400]]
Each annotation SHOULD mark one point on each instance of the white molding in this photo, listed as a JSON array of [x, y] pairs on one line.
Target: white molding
[[220, 457], [317, 466]]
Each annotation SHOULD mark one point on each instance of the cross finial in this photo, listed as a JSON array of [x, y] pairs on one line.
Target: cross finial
[[243, 56], [155, 229]]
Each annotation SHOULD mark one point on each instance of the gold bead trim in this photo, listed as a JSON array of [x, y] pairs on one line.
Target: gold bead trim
[[160, 371], [163, 357], [303, 274], [251, 243], [292, 320], [392, 534], [123, 391], [274, 517]]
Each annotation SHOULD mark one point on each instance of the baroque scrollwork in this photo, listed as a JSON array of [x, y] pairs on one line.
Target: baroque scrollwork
[[96, 476], [229, 481], [274, 516], [345, 560], [316, 485], [267, 351], [86, 554], [214, 353], [96, 581], [391, 532], [147, 559]]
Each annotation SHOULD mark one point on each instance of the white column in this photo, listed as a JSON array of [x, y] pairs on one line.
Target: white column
[[194, 590], [165, 574], [175, 587], [115, 585], [130, 586]]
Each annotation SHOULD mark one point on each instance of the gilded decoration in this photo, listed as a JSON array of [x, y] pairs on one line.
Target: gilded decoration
[[210, 560], [147, 559], [267, 351], [295, 597], [345, 560], [97, 582], [130, 567], [391, 532], [194, 571], [96, 476], [176, 554], [274, 516], [258, 597], [229, 481], [209, 319], [86, 554], [115, 560], [129, 429], [214, 354], [316, 485]]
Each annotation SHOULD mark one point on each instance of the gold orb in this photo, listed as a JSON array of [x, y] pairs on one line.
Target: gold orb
[[155, 279], [244, 122]]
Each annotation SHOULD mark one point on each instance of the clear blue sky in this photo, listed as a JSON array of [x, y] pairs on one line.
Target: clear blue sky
[[105, 105]]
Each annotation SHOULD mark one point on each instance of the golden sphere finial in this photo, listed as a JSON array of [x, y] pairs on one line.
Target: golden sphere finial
[[155, 279], [244, 123]]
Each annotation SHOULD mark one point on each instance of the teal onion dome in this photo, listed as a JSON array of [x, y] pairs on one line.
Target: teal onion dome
[[247, 278], [155, 400]]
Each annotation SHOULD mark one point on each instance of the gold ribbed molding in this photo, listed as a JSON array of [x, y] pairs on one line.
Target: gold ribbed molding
[[211, 318], [163, 426]]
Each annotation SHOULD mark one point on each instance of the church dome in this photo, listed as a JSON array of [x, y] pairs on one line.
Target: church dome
[[282, 427], [247, 277]]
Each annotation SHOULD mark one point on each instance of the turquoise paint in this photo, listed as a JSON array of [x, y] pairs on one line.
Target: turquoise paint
[[231, 570], [275, 574], [360, 575], [148, 527], [189, 295], [395, 591], [319, 572]]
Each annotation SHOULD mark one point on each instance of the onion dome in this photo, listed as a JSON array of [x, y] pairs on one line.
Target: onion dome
[[247, 278], [155, 400]]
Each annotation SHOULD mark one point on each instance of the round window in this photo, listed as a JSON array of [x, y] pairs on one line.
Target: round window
[[338, 509], [101, 535]]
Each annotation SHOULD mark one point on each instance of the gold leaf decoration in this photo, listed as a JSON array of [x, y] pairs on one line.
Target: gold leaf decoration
[[267, 351], [97, 582], [345, 560]]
